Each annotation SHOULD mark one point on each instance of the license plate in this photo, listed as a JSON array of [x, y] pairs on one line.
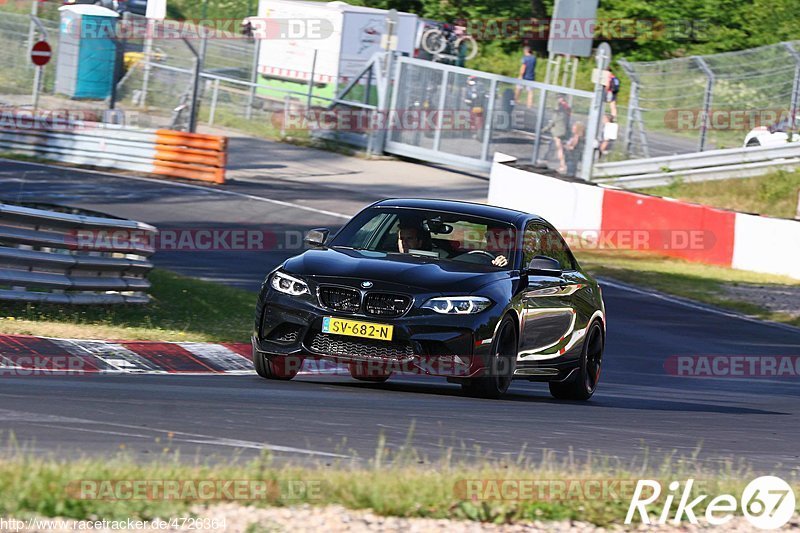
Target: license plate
[[354, 328]]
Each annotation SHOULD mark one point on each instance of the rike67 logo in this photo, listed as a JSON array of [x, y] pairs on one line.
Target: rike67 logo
[[767, 502]]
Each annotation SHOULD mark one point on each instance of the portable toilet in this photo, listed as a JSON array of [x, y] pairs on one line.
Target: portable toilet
[[87, 52]]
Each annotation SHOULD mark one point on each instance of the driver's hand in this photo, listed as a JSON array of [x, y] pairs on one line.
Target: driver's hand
[[500, 261]]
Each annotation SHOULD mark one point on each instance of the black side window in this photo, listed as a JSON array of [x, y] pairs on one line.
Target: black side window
[[541, 240]]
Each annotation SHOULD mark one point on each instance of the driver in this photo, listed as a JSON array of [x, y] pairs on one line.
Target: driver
[[411, 237], [498, 241]]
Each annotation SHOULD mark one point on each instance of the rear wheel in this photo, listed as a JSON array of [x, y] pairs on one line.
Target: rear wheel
[[583, 383], [281, 368], [500, 367]]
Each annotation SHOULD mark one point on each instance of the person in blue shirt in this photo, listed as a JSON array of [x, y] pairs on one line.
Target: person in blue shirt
[[527, 71]]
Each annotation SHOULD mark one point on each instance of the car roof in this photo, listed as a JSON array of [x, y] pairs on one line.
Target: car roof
[[511, 216]]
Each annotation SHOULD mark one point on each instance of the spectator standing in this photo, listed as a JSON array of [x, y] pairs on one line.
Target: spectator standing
[[612, 85], [559, 129], [527, 72], [573, 148]]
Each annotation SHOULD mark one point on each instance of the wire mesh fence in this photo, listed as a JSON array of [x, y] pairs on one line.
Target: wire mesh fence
[[462, 116], [698, 103], [16, 70]]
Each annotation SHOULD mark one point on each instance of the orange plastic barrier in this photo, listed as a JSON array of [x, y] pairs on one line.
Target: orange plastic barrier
[[190, 155]]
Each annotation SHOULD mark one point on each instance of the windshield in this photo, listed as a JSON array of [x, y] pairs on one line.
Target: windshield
[[432, 234]]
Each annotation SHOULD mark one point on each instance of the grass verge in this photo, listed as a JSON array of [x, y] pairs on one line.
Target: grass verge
[[709, 284], [773, 194], [474, 490], [182, 309]]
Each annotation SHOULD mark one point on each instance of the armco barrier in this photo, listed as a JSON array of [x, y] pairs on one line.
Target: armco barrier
[[68, 258], [679, 229], [161, 152], [700, 166]]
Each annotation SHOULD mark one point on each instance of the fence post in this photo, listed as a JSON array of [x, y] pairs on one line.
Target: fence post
[[214, 95], [707, 99], [488, 120], [437, 135], [540, 111], [797, 213], [198, 65], [148, 58], [795, 86], [387, 69], [311, 83], [603, 57], [632, 98], [32, 24], [248, 113]]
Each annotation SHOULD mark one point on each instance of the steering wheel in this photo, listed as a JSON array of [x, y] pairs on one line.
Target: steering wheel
[[484, 252]]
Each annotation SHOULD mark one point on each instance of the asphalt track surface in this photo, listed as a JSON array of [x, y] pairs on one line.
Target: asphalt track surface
[[638, 410]]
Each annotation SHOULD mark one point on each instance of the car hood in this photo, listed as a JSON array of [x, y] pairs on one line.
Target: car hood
[[423, 273]]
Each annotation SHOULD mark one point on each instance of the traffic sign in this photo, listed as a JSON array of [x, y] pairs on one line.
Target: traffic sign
[[41, 53]]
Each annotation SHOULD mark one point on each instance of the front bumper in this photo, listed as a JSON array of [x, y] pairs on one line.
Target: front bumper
[[423, 342]]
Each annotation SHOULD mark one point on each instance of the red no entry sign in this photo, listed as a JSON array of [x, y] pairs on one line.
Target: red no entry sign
[[41, 53]]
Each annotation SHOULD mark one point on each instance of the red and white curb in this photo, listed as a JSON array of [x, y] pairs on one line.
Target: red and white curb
[[27, 354]]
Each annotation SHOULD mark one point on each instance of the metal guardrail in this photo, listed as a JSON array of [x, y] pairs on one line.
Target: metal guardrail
[[68, 258], [700, 166], [162, 152]]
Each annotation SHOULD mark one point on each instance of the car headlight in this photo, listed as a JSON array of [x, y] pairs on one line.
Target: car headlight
[[287, 284], [457, 305]]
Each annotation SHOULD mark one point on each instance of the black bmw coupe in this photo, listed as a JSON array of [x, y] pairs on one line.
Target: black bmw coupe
[[478, 294]]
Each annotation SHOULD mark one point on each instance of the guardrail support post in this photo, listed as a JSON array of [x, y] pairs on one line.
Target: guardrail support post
[[707, 99]]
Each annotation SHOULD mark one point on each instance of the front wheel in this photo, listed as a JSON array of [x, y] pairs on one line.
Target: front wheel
[[501, 365], [281, 368], [583, 383]]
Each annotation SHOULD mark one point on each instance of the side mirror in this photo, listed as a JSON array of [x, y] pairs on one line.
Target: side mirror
[[317, 237], [541, 265]]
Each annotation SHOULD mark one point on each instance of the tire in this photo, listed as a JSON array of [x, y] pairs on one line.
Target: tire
[[433, 41], [501, 365], [282, 368], [583, 383], [369, 373], [470, 43], [753, 143]]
